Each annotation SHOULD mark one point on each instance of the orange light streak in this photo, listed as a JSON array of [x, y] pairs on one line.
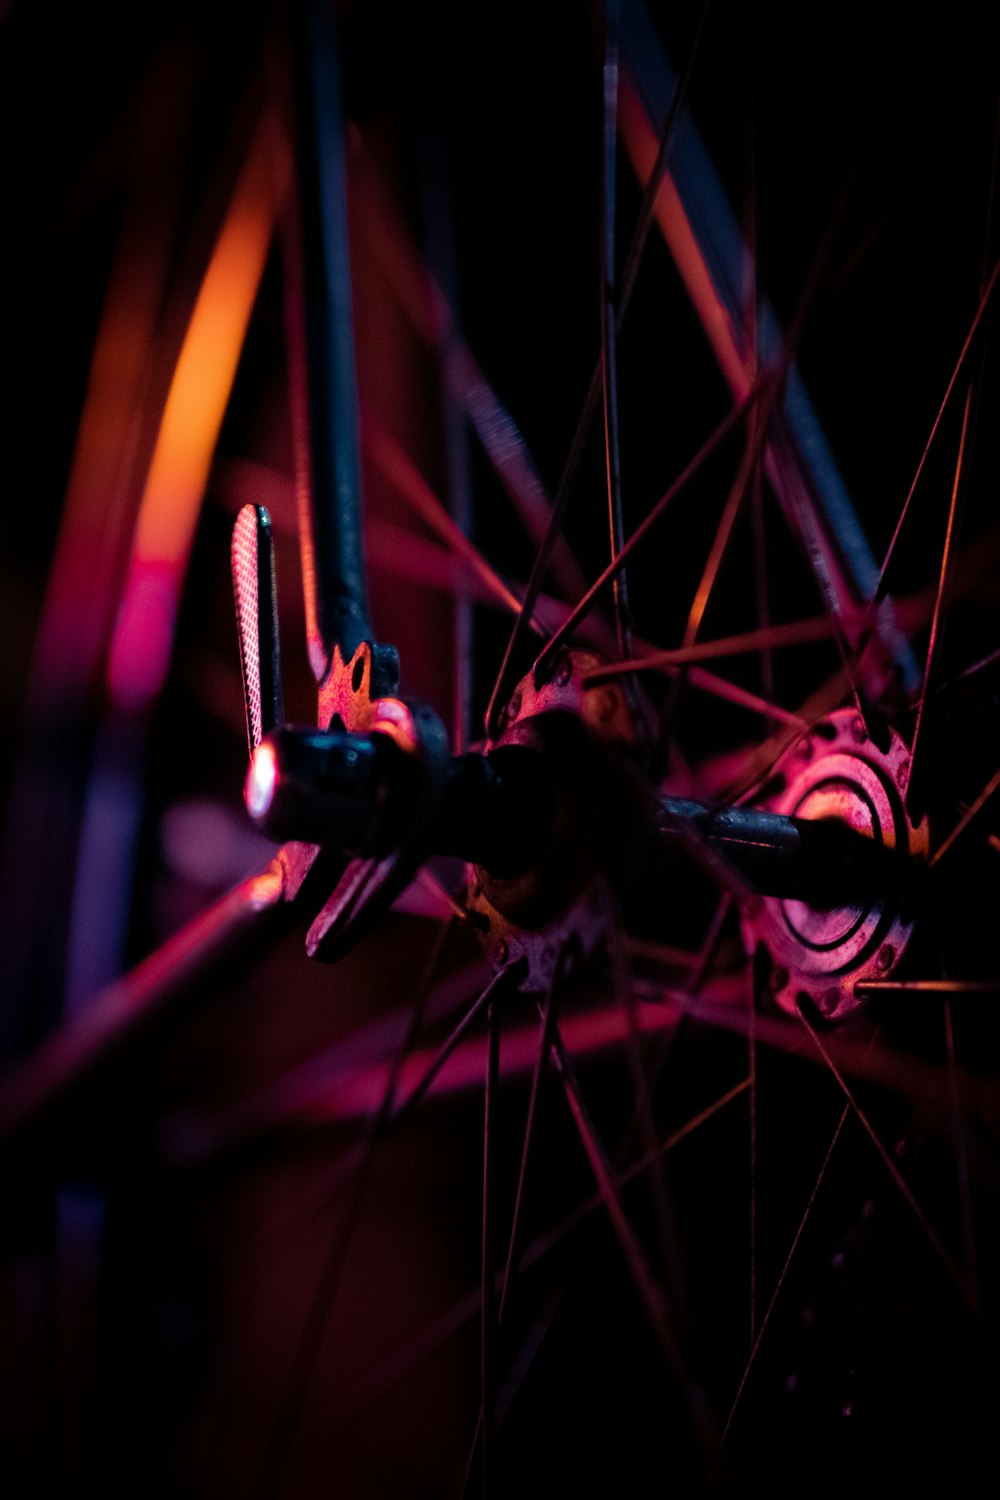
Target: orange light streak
[[192, 417]]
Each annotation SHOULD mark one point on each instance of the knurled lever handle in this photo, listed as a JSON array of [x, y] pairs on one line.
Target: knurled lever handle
[[256, 596]]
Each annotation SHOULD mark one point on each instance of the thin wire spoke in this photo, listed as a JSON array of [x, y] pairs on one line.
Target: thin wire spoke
[[741, 784], [609, 354], [972, 671], [357, 1172], [421, 1348], [928, 987], [396, 465], [930, 1233], [904, 1074], [642, 1115], [529, 1349], [765, 638], [549, 1015], [752, 1074], [880, 587], [649, 1293], [757, 436], [913, 789], [723, 532], [752, 304], [429, 310], [506, 978], [731, 692], [580, 611], [966, 818], [698, 966], [514, 1246], [750, 466], [709, 682], [794, 489], [734, 501], [715, 862], [765, 1321], [962, 1156], [764, 628], [439, 224], [588, 411], [641, 1120], [488, 1260], [281, 1441], [647, 208], [433, 884]]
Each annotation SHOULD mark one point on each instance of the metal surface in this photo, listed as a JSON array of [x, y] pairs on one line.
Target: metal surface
[[256, 595], [830, 953], [321, 347]]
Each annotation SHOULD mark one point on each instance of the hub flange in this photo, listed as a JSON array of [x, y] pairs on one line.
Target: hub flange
[[837, 771]]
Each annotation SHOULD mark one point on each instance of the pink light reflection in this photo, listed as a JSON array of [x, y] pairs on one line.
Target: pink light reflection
[[192, 418]]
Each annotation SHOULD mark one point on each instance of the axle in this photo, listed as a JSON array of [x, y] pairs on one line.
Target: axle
[[500, 812]]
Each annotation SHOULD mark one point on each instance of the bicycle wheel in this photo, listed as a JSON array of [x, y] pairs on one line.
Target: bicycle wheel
[[801, 1282]]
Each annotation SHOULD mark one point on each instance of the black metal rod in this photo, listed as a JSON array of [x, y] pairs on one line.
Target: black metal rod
[[500, 811], [321, 347], [821, 861]]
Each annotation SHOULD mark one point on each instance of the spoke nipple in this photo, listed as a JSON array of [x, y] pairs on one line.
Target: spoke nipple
[[901, 1148], [563, 670], [501, 719], [514, 706], [884, 958], [502, 951], [777, 980], [903, 773], [804, 748], [828, 1003], [858, 729]]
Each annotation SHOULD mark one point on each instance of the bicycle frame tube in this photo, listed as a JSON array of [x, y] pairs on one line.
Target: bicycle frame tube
[[708, 248]]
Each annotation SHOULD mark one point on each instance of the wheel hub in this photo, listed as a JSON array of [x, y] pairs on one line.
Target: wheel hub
[[837, 771], [585, 730]]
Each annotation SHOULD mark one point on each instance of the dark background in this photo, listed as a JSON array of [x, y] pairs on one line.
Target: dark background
[[856, 125]]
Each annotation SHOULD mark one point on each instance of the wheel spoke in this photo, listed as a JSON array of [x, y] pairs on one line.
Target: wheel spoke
[[704, 453], [967, 817], [765, 638], [292, 1165], [930, 1233], [512, 1263], [779, 1284], [962, 1158], [430, 313], [653, 182], [457, 457], [410, 1356], [488, 1311], [914, 790], [281, 1439], [879, 591], [609, 323], [649, 1293], [411, 487]]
